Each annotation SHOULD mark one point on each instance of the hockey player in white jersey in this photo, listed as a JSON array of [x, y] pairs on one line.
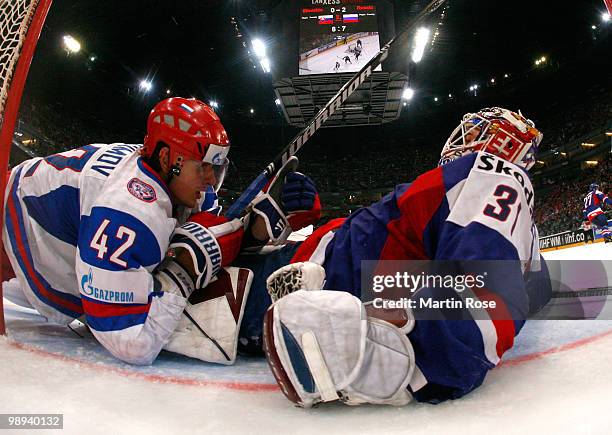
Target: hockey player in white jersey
[[476, 205], [87, 231]]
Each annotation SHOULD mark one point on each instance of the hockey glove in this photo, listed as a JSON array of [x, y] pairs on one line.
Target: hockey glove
[[210, 242], [300, 200], [173, 278], [289, 202]]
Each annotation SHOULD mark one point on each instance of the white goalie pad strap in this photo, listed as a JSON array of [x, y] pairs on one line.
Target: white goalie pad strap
[[203, 248], [303, 275], [318, 368], [317, 338], [208, 330]]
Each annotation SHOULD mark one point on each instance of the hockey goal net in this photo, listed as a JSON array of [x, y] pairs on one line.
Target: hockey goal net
[[21, 22]]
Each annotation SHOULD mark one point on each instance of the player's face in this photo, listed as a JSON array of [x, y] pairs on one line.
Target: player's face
[[194, 178], [471, 134]]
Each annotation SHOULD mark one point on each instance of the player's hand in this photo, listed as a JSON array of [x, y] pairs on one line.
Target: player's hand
[[300, 200]]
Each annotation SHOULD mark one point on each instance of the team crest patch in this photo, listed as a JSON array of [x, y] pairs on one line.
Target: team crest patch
[[141, 190]]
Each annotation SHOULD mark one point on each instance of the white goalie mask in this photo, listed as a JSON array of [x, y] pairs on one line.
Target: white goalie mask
[[506, 134]]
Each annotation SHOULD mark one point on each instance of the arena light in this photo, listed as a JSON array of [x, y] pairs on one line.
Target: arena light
[[436, 99], [493, 80], [168, 91], [145, 85], [277, 102], [605, 17], [588, 145], [593, 27], [251, 111], [259, 48], [592, 162], [408, 94], [420, 41], [506, 76], [92, 58], [213, 104], [609, 133], [71, 44], [265, 64]]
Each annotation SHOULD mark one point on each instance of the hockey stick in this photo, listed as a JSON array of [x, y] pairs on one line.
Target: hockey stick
[[302, 137]]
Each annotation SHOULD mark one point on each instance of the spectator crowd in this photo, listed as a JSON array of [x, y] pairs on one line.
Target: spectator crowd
[[351, 166]]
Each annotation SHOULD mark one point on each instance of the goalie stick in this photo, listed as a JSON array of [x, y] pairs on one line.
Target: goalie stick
[[332, 105]]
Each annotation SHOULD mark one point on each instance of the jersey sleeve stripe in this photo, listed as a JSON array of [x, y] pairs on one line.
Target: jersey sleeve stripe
[[308, 247], [418, 204], [104, 316], [105, 309], [501, 319], [116, 323], [67, 304]]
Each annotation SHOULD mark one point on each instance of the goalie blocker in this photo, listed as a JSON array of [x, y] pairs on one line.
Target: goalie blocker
[[322, 346]]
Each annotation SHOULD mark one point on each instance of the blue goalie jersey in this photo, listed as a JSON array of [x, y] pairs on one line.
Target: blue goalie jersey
[[478, 207]]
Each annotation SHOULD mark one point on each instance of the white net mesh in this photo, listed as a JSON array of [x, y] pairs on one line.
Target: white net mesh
[[15, 18]]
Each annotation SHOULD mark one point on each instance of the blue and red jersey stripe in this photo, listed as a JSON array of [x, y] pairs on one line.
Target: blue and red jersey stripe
[[65, 303]]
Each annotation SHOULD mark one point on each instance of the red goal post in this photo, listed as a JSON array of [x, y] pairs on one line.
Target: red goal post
[[21, 23]]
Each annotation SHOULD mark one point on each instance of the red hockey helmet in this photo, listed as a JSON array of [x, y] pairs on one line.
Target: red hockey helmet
[[498, 131], [192, 131]]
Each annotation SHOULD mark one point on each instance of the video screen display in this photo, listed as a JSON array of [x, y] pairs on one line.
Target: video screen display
[[337, 36]]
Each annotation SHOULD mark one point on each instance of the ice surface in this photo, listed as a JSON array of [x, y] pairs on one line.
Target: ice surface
[[557, 379], [324, 63]]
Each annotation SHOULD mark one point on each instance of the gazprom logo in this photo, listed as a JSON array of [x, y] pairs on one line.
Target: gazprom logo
[[86, 283], [88, 289]]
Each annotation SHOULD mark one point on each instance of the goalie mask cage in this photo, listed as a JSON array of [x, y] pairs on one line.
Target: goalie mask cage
[[21, 22]]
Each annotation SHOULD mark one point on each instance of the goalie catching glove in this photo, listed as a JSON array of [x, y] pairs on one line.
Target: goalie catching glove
[[288, 203], [322, 347], [304, 275]]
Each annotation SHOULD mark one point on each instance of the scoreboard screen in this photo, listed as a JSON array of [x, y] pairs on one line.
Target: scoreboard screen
[[337, 36]]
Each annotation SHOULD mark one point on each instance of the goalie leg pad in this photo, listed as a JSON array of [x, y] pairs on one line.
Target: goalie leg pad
[[322, 346], [209, 328]]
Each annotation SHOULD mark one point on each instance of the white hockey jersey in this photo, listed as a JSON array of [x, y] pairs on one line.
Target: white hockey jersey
[[84, 230]]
